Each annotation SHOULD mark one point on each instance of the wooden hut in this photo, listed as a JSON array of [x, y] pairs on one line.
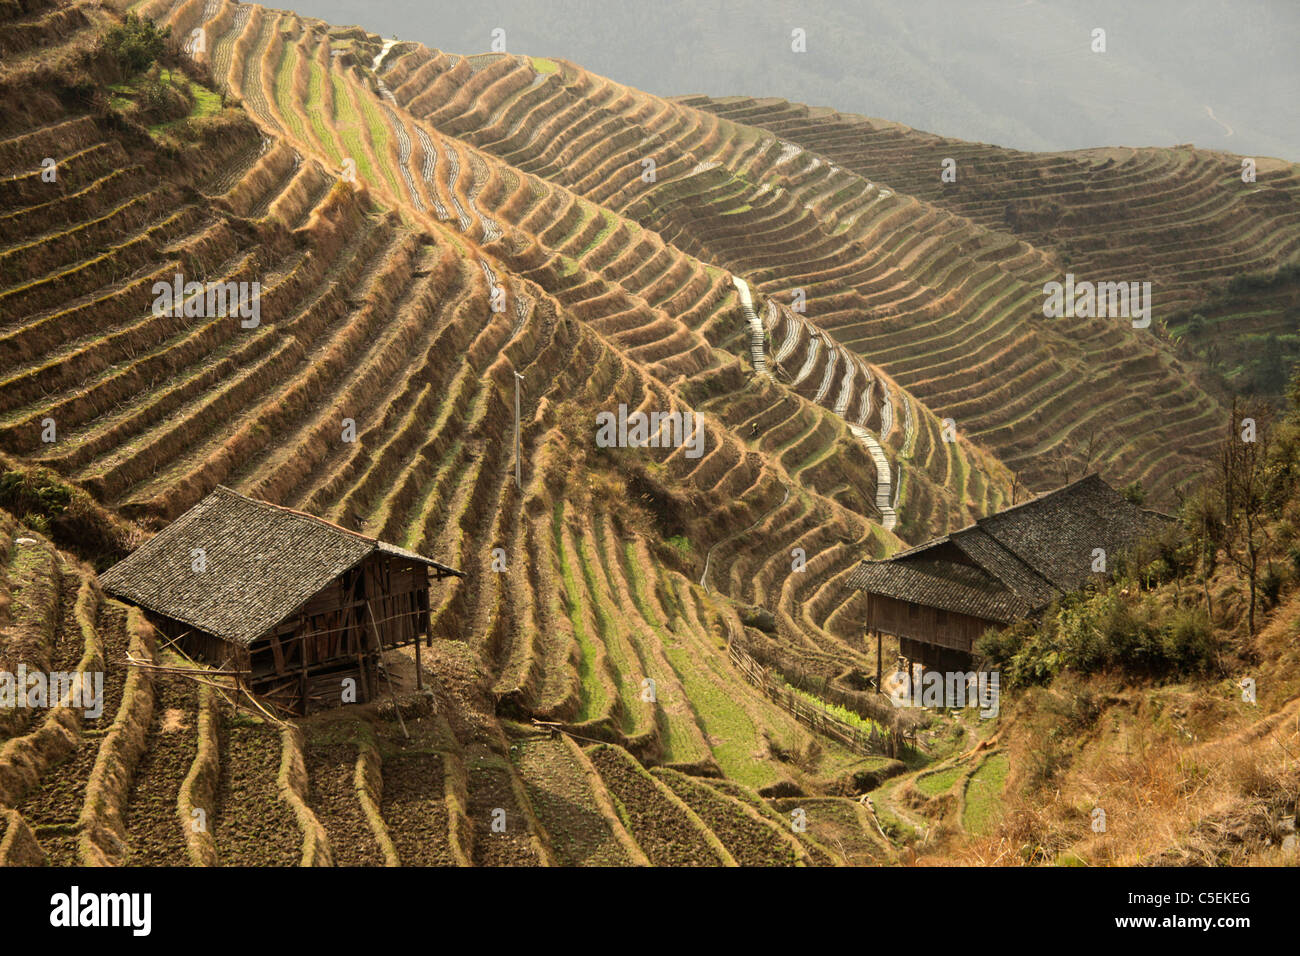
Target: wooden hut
[[939, 597], [294, 604]]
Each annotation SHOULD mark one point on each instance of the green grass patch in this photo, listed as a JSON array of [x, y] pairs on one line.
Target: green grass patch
[[349, 127], [615, 655], [984, 794], [610, 223], [681, 544], [940, 781], [679, 745], [380, 134]]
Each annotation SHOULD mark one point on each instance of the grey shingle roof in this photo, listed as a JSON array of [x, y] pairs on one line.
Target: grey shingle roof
[[262, 562], [942, 584], [1026, 556], [1003, 564]]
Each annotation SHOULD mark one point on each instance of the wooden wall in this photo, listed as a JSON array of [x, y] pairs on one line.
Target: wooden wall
[[301, 663], [925, 624], [337, 633]]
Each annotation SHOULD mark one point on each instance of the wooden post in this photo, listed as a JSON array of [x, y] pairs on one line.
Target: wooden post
[[419, 671], [302, 662], [361, 663], [878, 688]]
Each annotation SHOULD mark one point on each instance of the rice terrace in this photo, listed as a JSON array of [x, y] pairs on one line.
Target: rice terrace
[[422, 458]]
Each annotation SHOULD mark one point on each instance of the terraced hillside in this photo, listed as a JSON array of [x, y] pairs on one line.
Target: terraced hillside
[[1213, 237], [948, 307], [169, 774], [1181, 218], [432, 236], [661, 307], [362, 295]]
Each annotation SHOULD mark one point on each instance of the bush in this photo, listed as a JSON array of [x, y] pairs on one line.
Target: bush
[[681, 544], [37, 522], [1134, 493], [137, 44], [1106, 631]]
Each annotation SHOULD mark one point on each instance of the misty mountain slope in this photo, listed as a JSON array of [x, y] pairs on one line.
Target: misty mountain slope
[[1020, 73], [1182, 218]]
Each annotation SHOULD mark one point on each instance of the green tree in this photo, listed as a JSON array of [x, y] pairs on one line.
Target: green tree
[[137, 44]]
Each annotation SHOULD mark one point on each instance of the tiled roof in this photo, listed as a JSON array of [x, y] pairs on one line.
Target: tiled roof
[[942, 584], [1026, 556], [260, 563], [1002, 563]]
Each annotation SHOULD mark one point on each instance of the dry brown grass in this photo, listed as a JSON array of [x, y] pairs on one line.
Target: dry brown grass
[[1186, 775]]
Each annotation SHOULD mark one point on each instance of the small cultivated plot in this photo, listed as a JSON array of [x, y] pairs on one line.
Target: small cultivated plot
[[330, 752], [492, 801], [561, 793], [939, 781], [348, 125], [254, 826], [852, 718], [983, 795], [728, 728], [315, 109], [593, 698], [33, 611], [379, 132], [839, 823], [752, 840], [634, 717], [716, 692], [51, 810], [282, 91], [543, 65], [680, 739], [414, 808], [154, 833], [660, 826], [818, 854]]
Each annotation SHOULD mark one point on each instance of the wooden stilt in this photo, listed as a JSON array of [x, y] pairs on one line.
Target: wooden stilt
[[879, 689], [419, 670]]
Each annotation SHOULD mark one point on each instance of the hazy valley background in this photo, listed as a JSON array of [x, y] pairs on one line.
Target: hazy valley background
[[1016, 73]]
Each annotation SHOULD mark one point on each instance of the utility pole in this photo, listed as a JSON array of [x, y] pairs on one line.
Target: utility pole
[[518, 482]]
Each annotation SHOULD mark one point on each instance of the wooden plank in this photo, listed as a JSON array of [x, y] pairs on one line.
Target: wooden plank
[[278, 651]]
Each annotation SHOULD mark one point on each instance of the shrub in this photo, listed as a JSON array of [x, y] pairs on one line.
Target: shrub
[[37, 522], [1100, 632], [1134, 493], [1270, 586], [137, 44]]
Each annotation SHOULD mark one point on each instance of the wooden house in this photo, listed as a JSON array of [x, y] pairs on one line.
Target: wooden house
[[939, 597], [293, 604]]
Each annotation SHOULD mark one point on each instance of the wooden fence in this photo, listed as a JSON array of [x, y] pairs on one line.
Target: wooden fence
[[872, 742]]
